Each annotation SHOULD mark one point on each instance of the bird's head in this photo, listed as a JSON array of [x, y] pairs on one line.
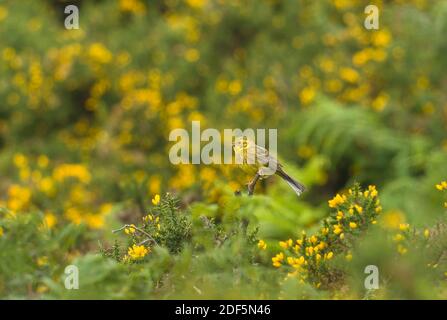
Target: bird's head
[[241, 143]]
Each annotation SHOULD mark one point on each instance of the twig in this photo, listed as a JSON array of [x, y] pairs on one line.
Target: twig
[[138, 229], [252, 184], [144, 241]]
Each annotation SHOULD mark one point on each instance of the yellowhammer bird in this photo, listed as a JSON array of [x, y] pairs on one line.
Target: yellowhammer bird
[[257, 160]]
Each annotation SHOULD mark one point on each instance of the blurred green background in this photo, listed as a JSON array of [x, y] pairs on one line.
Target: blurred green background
[[85, 117]]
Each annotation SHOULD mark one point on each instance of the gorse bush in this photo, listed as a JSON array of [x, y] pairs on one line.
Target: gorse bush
[[307, 255], [165, 225]]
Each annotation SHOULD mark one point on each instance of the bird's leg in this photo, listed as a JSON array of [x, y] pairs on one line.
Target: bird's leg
[[252, 184]]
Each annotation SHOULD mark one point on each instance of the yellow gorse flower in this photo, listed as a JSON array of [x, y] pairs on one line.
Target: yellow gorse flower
[[286, 244], [296, 262], [130, 230], [398, 237], [77, 171], [404, 226], [262, 245], [42, 261], [337, 200], [442, 186], [137, 252], [156, 199], [338, 229], [401, 249], [278, 259], [372, 191]]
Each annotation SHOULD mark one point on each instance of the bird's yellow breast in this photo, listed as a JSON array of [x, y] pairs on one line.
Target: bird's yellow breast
[[242, 153]]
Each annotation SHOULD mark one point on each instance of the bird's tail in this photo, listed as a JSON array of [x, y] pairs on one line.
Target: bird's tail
[[295, 185]]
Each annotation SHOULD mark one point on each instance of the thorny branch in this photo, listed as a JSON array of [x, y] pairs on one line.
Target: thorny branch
[[149, 237]]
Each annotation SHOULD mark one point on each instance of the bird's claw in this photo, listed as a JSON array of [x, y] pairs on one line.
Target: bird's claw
[[250, 188]]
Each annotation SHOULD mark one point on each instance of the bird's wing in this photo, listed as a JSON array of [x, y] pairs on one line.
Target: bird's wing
[[265, 158]]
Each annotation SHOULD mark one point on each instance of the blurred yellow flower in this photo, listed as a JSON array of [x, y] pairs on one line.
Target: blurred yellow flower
[[41, 288], [307, 95], [401, 249], [381, 38], [46, 186], [73, 215], [99, 53], [404, 226], [42, 161], [333, 85], [3, 13], [196, 3], [20, 160], [18, 197], [154, 184], [105, 208], [393, 219], [428, 108], [306, 151], [349, 75], [50, 220], [380, 102], [64, 171], [192, 55], [235, 87], [343, 4], [133, 6], [398, 237], [94, 221]]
